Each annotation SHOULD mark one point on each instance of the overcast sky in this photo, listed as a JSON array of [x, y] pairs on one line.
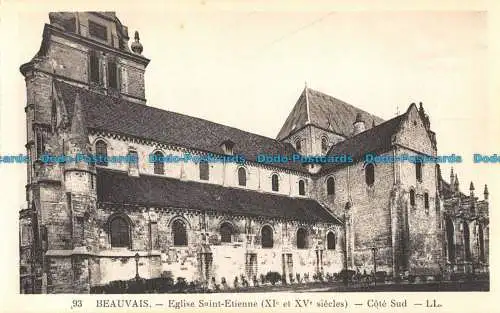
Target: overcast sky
[[245, 66]]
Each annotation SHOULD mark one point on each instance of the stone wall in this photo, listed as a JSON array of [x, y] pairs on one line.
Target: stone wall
[[258, 176], [229, 260]]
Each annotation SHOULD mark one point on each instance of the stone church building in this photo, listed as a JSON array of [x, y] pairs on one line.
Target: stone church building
[[89, 223]]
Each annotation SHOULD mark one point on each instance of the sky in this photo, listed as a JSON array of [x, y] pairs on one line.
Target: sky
[[244, 64]]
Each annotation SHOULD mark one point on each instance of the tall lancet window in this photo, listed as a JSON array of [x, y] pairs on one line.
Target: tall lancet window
[[275, 182], [242, 176], [101, 151], [159, 165]]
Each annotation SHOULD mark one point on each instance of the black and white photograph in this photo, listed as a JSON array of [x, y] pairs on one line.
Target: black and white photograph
[[231, 148]]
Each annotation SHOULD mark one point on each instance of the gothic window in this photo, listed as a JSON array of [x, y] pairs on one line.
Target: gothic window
[[94, 67], [204, 170], [301, 238], [298, 146], [179, 233], [159, 166], [369, 174], [226, 232], [267, 236], [324, 144], [133, 159], [40, 149], [112, 75], [330, 241], [302, 188], [330, 186], [418, 170], [101, 151], [412, 197], [275, 182], [426, 200], [120, 232], [98, 31], [242, 176]]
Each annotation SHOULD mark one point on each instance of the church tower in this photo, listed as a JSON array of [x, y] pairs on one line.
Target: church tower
[[89, 50]]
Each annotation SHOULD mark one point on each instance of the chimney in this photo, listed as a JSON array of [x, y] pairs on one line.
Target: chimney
[[486, 193], [358, 125]]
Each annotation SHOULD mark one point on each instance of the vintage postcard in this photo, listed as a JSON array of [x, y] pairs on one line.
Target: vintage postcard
[[249, 155]]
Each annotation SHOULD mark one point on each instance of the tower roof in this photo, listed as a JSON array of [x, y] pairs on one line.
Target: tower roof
[[324, 111]]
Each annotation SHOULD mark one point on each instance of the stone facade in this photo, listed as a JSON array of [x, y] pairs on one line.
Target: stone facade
[[405, 220]]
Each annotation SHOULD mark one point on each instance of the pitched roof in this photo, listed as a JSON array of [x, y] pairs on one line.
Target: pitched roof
[[372, 140], [118, 187], [125, 117], [326, 112]]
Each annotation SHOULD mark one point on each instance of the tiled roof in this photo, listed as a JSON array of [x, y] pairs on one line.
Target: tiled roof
[[125, 117], [120, 188], [373, 140], [326, 112]]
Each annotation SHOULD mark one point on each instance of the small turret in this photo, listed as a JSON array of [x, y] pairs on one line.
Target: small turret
[[80, 174], [452, 180], [358, 125], [486, 193], [457, 185], [136, 45], [471, 189]]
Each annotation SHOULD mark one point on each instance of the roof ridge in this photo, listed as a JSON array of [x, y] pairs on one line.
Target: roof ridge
[[366, 132], [345, 103], [173, 112]]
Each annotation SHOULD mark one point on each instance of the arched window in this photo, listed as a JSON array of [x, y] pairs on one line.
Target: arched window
[[179, 233], [119, 232], [369, 174], [204, 170], [330, 186], [426, 200], [94, 67], [302, 188], [298, 145], [101, 151], [112, 75], [412, 197], [133, 164], [226, 232], [242, 176], [275, 182], [324, 144], [159, 166], [40, 145], [301, 238], [418, 170], [330, 241], [267, 236]]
